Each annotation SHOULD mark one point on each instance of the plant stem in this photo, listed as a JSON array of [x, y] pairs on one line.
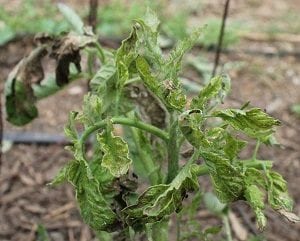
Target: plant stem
[[90, 64], [177, 227], [173, 149], [100, 52], [123, 121], [146, 160], [227, 227], [256, 150]]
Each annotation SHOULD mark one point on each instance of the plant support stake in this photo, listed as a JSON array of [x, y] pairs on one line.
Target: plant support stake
[[220, 41]]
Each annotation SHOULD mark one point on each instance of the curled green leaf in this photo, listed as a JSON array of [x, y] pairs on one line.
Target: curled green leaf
[[253, 122], [116, 154]]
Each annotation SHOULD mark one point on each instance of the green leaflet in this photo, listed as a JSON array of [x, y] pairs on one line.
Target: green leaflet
[[104, 84], [125, 56], [93, 191], [94, 209], [173, 62], [255, 198], [92, 109], [116, 154], [278, 196], [215, 139], [172, 96], [106, 73], [254, 122], [227, 179], [148, 45], [190, 126], [233, 146], [211, 90], [161, 200], [161, 75], [72, 17], [42, 234], [70, 129], [64, 173]]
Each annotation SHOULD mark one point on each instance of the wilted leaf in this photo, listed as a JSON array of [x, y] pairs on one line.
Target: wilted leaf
[[26, 84], [20, 99], [161, 200], [289, 216], [66, 51]]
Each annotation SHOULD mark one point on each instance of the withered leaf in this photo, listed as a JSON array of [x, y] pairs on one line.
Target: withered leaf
[[66, 50], [19, 88], [20, 99]]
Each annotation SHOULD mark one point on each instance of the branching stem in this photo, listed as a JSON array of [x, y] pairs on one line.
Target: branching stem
[[123, 121]]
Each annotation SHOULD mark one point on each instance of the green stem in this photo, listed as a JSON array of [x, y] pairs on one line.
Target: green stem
[[227, 227], [123, 121], [173, 150], [145, 159], [90, 64], [178, 227], [256, 150], [100, 52]]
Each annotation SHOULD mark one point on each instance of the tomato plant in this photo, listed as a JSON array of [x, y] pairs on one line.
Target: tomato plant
[[138, 88]]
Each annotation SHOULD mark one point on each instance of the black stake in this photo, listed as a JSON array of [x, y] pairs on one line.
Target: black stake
[[220, 40], [93, 14]]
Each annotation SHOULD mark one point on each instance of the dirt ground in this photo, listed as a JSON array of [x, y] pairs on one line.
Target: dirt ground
[[269, 81]]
